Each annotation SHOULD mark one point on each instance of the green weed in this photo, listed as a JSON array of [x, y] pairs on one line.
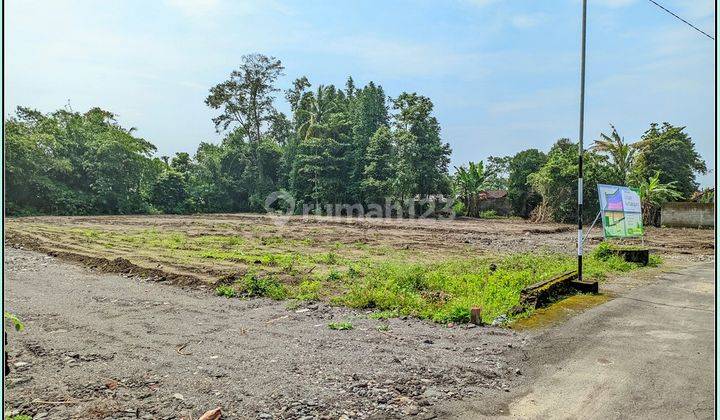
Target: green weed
[[255, 286], [225, 290], [340, 325], [309, 290]]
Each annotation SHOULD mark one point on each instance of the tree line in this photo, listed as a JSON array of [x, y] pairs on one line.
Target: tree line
[[338, 145], [662, 165], [350, 144]]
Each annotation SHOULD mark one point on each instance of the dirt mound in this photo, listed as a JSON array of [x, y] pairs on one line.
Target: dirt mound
[[105, 265]]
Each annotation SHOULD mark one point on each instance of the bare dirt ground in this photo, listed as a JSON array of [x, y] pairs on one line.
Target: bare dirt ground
[[350, 238], [127, 346], [104, 346]]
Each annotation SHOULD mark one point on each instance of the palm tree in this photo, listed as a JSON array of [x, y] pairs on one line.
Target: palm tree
[[653, 194], [320, 106], [622, 154]]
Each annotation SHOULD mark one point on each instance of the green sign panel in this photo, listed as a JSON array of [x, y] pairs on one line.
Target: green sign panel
[[621, 211]]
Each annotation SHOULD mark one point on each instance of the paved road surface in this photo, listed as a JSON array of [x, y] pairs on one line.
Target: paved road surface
[[646, 354]]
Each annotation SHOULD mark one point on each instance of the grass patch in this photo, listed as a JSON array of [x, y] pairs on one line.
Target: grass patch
[[340, 325], [434, 284], [445, 292]]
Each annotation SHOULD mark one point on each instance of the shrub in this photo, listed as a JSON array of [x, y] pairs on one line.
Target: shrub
[[255, 286]]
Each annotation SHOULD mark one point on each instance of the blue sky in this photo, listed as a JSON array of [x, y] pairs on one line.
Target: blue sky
[[503, 74]]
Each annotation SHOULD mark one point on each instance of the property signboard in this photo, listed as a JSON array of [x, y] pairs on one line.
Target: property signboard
[[621, 211]]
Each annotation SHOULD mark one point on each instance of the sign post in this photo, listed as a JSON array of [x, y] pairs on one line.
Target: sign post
[[621, 211]]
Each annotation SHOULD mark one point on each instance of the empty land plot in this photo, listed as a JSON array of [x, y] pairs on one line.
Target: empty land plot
[[434, 269]]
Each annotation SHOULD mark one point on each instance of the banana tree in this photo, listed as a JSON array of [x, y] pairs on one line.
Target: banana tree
[[653, 194], [468, 183]]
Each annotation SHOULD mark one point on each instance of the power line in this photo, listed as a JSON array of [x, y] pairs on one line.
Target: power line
[[678, 17]]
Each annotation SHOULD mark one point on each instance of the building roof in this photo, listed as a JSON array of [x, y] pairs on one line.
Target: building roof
[[492, 194]]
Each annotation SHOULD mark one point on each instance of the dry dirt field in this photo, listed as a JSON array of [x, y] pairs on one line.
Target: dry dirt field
[[179, 246], [154, 342]]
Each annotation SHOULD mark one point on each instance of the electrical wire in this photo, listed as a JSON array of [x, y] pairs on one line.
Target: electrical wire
[[683, 20]]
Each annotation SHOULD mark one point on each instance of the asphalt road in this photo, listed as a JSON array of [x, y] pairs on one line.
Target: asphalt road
[[649, 353]]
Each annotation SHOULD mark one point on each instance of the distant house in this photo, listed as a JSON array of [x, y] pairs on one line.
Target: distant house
[[496, 200]]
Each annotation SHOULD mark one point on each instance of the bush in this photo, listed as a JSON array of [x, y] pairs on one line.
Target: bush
[[255, 286], [603, 251]]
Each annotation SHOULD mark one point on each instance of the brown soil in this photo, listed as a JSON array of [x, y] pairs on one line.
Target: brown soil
[[353, 239]]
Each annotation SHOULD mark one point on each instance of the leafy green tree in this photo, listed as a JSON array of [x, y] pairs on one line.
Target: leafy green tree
[[667, 149], [621, 154], [210, 185], [378, 175], [246, 98], [182, 163], [556, 182], [72, 163], [319, 180], [368, 112], [431, 156], [520, 192], [404, 184], [169, 193], [497, 173]]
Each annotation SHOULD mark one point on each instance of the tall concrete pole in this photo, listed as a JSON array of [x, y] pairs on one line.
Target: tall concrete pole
[[580, 143]]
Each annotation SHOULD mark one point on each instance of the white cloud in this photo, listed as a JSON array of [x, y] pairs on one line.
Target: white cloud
[[195, 8], [399, 58], [480, 3], [528, 20]]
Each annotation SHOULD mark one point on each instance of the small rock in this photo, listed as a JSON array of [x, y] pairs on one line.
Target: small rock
[[428, 341], [178, 396]]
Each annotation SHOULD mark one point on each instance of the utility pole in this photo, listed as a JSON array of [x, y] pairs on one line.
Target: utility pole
[[580, 143]]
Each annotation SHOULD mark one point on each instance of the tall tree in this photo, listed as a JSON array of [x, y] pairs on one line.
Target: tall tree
[[378, 174], [432, 156], [246, 98], [667, 149], [497, 172], [521, 194], [556, 182], [368, 112]]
